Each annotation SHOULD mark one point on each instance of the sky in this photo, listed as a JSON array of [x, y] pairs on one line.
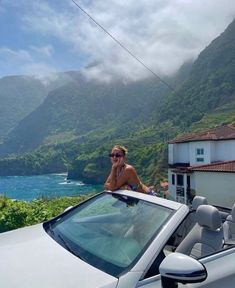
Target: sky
[[43, 36]]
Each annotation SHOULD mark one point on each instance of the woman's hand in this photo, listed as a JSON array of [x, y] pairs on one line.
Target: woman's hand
[[118, 163], [107, 186]]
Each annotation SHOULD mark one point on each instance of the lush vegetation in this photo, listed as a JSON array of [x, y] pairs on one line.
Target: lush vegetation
[[17, 214], [36, 163]]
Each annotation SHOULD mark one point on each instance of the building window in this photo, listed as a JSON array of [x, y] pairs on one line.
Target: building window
[[200, 151], [180, 180], [173, 179], [200, 155]]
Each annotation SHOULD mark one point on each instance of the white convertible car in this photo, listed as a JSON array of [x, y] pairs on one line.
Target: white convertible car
[[123, 239]]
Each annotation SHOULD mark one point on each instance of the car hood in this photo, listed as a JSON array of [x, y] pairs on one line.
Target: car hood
[[30, 258]]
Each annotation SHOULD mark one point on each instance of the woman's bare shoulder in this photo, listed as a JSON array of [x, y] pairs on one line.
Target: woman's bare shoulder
[[129, 168]]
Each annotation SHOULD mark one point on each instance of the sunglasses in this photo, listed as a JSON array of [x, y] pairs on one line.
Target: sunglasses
[[115, 155]]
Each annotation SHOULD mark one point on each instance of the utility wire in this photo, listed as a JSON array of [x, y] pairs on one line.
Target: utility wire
[[120, 44]]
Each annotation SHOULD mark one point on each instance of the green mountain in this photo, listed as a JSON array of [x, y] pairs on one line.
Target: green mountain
[[81, 107], [210, 87], [20, 95], [81, 117], [78, 123]]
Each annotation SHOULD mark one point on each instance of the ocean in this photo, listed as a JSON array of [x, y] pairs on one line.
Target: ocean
[[28, 188]]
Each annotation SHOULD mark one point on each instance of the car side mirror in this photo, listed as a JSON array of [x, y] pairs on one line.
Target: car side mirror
[[179, 268]]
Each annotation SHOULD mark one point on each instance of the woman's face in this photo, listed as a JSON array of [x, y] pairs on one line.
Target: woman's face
[[117, 155]]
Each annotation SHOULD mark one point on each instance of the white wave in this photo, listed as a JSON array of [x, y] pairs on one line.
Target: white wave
[[68, 182], [60, 174], [64, 183], [80, 184]]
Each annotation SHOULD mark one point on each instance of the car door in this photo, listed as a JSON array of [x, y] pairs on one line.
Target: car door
[[220, 272]]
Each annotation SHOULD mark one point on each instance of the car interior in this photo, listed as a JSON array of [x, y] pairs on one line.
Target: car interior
[[207, 229], [190, 221]]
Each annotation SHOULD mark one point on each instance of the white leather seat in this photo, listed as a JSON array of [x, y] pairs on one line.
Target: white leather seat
[[190, 221], [206, 236]]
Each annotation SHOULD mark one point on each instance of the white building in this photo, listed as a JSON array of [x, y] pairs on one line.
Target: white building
[[203, 163]]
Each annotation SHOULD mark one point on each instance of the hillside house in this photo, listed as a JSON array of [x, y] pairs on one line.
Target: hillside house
[[203, 163]]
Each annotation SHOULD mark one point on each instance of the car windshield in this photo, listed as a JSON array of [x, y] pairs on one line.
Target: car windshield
[[110, 231]]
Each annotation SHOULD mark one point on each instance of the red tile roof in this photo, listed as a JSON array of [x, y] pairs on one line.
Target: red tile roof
[[227, 166], [219, 133]]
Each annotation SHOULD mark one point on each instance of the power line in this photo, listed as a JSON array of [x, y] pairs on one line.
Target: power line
[[120, 44]]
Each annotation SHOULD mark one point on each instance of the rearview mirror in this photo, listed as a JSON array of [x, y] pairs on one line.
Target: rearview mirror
[[181, 268]]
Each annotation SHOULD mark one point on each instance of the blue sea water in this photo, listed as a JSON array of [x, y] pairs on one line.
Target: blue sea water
[[28, 188]]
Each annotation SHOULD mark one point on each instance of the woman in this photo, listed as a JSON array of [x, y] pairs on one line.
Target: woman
[[123, 175]]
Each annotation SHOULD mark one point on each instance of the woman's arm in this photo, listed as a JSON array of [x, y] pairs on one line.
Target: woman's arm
[[128, 177], [114, 181]]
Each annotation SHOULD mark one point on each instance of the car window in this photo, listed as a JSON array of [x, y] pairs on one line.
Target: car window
[[110, 231]]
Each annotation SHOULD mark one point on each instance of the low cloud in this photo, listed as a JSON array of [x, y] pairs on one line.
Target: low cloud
[[27, 61], [20, 55], [163, 34], [45, 51]]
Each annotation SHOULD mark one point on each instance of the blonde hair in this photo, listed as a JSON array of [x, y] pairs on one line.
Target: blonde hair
[[121, 148]]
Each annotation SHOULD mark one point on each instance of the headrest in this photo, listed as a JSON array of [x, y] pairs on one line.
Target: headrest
[[197, 201], [208, 217], [231, 217]]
